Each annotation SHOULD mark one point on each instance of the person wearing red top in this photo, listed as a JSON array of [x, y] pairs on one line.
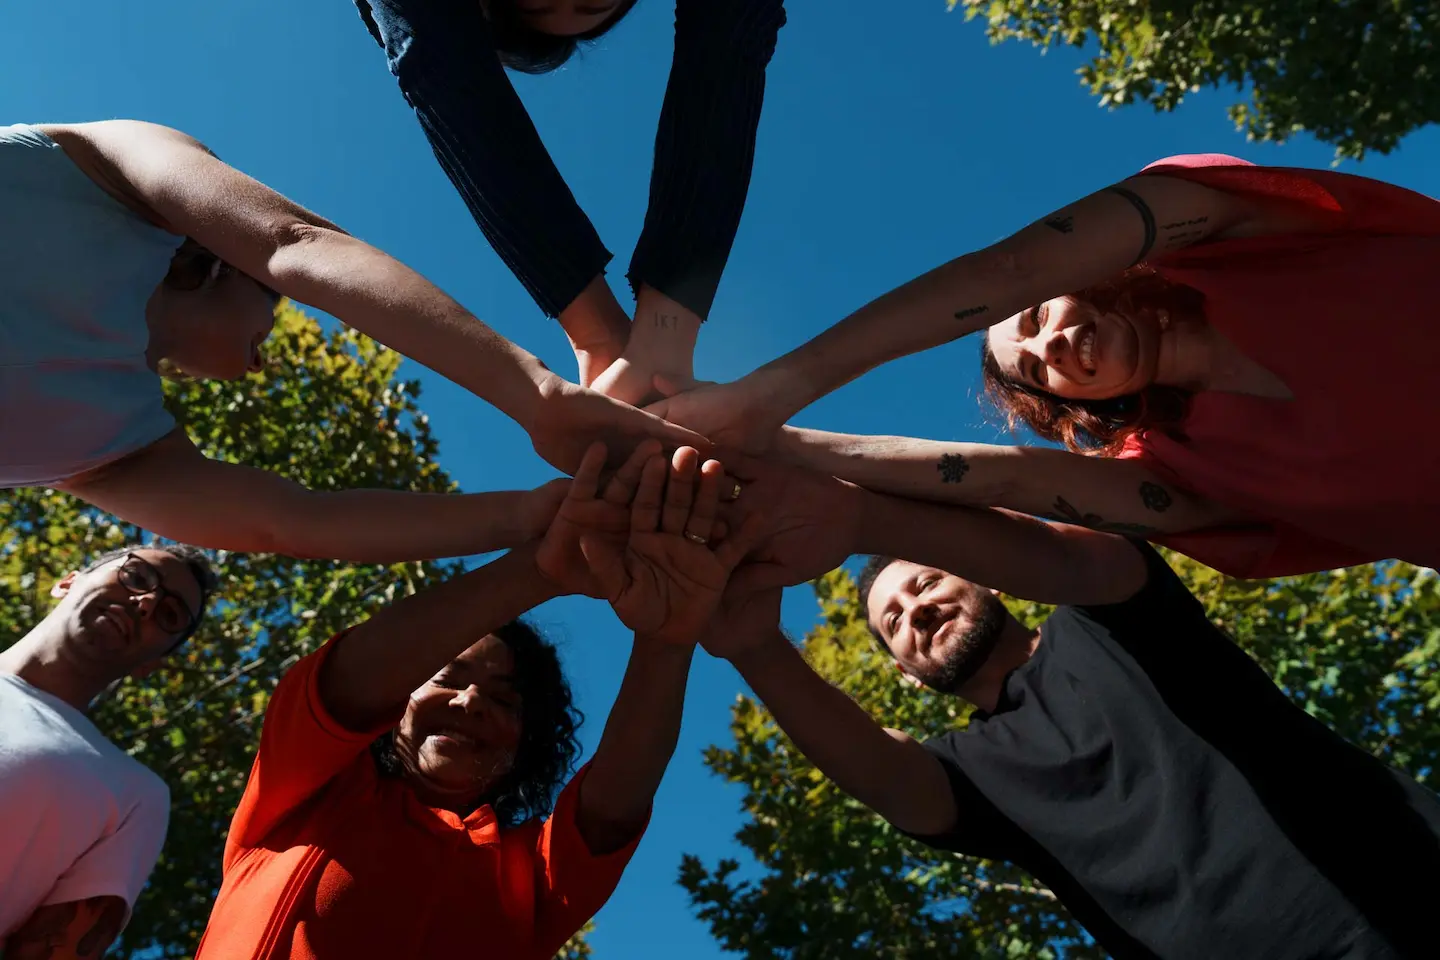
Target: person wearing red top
[[392, 810], [1244, 352]]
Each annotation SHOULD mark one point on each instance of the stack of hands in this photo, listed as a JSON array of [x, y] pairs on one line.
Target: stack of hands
[[687, 551]]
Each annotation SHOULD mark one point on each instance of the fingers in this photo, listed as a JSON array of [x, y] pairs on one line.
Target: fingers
[[701, 522], [669, 385], [649, 496], [672, 435], [751, 578], [744, 540], [587, 476], [679, 491], [606, 565], [621, 488]]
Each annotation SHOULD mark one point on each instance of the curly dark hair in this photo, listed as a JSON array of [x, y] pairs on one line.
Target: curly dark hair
[[521, 47], [874, 566], [1101, 426], [193, 557], [548, 724], [193, 266]]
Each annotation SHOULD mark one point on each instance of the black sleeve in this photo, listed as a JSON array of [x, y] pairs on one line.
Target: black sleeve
[[980, 829], [443, 55], [705, 146]]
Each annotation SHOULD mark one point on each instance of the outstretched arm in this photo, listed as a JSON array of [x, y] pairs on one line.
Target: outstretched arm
[[884, 769], [171, 489], [187, 190], [664, 583], [1112, 495]]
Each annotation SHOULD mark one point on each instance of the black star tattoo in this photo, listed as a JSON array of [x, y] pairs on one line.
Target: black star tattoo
[[952, 468], [1155, 497]]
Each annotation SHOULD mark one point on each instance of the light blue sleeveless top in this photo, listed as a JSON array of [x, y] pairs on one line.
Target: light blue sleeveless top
[[76, 270]]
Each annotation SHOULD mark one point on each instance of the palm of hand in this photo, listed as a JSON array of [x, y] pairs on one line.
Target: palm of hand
[[720, 413], [670, 587], [627, 381], [560, 557], [808, 525]]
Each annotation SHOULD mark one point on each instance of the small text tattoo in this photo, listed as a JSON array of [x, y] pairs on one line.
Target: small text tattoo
[[1065, 512], [1154, 496], [1182, 233], [667, 321], [970, 312], [1062, 224], [952, 468]]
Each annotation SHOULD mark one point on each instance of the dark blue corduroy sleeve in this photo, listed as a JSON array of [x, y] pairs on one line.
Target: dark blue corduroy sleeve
[[705, 146], [442, 54]]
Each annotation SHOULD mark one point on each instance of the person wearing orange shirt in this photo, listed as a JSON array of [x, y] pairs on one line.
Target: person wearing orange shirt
[[394, 806]]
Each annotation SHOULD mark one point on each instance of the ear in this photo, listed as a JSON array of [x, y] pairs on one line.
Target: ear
[[63, 585]]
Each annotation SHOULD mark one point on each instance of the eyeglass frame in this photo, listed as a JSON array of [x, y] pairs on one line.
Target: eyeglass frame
[[160, 591]]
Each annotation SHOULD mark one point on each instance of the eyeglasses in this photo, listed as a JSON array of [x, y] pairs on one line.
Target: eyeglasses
[[172, 614]]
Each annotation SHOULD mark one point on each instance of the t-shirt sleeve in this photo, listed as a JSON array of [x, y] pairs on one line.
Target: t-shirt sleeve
[[301, 748], [980, 829], [1350, 203], [119, 864], [571, 883]]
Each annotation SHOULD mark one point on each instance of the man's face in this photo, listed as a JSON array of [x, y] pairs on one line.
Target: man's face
[[940, 629], [126, 615]]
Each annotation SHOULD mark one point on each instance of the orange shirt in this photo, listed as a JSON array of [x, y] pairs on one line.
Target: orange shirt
[[1345, 472], [326, 859]]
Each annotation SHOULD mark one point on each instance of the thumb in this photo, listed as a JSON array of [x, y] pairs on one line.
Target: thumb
[[607, 566], [744, 540]]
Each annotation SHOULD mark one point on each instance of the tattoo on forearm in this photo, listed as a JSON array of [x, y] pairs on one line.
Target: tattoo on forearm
[[1184, 232], [1143, 209], [1154, 496], [970, 312], [1065, 512], [81, 928], [952, 467], [1061, 224]]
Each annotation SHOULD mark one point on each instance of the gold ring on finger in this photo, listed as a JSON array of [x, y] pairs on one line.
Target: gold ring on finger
[[696, 538]]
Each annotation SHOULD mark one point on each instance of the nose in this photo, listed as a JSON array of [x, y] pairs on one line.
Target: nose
[[145, 603], [1053, 346], [922, 613], [468, 699]]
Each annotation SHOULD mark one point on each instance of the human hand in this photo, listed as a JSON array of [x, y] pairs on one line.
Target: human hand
[[665, 581], [568, 418], [732, 415], [586, 511], [806, 523], [743, 622]]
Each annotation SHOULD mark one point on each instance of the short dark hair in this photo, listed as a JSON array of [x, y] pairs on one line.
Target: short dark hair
[[190, 267], [194, 559], [874, 566], [521, 47], [548, 724]]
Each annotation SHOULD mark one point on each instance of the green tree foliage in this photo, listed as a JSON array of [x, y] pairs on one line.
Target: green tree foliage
[[1356, 75], [327, 412], [1359, 648]]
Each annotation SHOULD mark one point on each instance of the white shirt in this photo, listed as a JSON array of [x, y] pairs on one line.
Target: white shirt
[[78, 817]]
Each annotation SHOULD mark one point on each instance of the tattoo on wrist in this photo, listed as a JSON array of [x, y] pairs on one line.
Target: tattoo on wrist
[[1146, 216], [1154, 496], [1060, 224], [666, 321], [952, 467], [970, 312], [1065, 512]]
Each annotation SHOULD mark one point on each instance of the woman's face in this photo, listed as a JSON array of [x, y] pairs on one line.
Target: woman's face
[[563, 18], [1071, 350], [215, 330], [461, 730]]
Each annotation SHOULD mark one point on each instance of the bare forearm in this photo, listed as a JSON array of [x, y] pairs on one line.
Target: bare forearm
[[389, 526], [1115, 496], [639, 739], [384, 299], [1015, 554], [835, 734], [382, 660]]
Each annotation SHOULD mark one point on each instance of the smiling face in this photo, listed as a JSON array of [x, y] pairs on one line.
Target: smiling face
[[1068, 348], [124, 616], [461, 730], [939, 628]]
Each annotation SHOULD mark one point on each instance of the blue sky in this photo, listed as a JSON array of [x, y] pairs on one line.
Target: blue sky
[[891, 142]]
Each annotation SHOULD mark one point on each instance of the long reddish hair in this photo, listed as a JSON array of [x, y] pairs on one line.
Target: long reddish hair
[[1101, 427]]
